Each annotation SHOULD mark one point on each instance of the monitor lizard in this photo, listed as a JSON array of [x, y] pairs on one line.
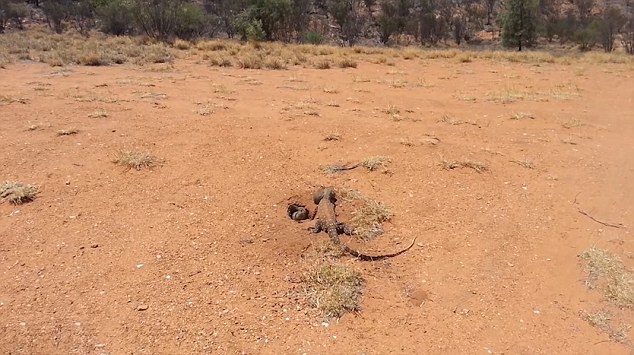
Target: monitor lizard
[[327, 221]]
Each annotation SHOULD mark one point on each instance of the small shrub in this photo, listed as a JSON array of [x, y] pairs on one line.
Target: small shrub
[[190, 21], [368, 220], [618, 281], [275, 64], [182, 45], [135, 159], [312, 37], [376, 162], [115, 17], [16, 12], [347, 63], [454, 164], [250, 61], [219, 61], [322, 64], [17, 193], [333, 289], [93, 58]]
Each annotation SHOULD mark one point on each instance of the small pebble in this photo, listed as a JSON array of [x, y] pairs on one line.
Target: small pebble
[[142, 307]]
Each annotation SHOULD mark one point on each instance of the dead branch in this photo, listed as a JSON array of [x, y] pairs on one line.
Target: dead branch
[[619, 225]]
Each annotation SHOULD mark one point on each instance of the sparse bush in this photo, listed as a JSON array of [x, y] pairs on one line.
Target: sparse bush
[[347, 14], [56, 12], [93, 58], [15, 12], [313, 37], [265, 19], [163, 19], [135, 159], [82, 15], [220, 61], [249, 28], [17, 193], [322, 64], [250, 61], [587, 36], [190, 21], [347, 63], [275, 64], [333, 289], [115, 17]]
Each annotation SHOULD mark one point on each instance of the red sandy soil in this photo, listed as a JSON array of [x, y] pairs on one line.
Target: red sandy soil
[[197, 255]]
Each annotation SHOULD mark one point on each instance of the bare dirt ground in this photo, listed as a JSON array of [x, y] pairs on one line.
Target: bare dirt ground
[[197, 254]]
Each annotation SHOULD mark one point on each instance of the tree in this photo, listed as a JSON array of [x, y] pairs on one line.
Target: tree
[[115, 17], [347, 14], [585, 10], [57, 11], [271, 16], [519, 23], [609, 24], [490, 6], [431, 26], [227, 12], [628, 29], [14, 12]]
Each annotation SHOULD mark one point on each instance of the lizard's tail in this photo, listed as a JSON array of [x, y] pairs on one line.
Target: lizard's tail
[[366, 257]]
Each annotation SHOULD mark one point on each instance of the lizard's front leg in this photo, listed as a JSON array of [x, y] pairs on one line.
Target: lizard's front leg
[[318, 227], [343, 228]]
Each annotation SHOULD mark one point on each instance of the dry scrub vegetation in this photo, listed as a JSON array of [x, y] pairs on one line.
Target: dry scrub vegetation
[[17, 193], [607, 272], [466, 163], [98, 49], [72, 48], [602, 320], [333, 289], [135, 159]]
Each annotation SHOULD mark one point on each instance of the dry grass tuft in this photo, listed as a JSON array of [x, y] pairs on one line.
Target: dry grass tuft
[[571, 123], [182, 45], [608, 270], [335, 168], [275, 64], [525, 163], [602, 320], [392, 110], [90, 58], [332, 137], [219, 60], [17, 193], [465, 58], [98, 114], [135, 159], [204, 110], [333, 289], [375, 162], [454, 164], [322, 64], [522, 115], [67, 132], [346, 63], [367, 221]]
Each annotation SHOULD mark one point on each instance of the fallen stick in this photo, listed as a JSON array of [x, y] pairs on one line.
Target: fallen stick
[[620, 225]]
